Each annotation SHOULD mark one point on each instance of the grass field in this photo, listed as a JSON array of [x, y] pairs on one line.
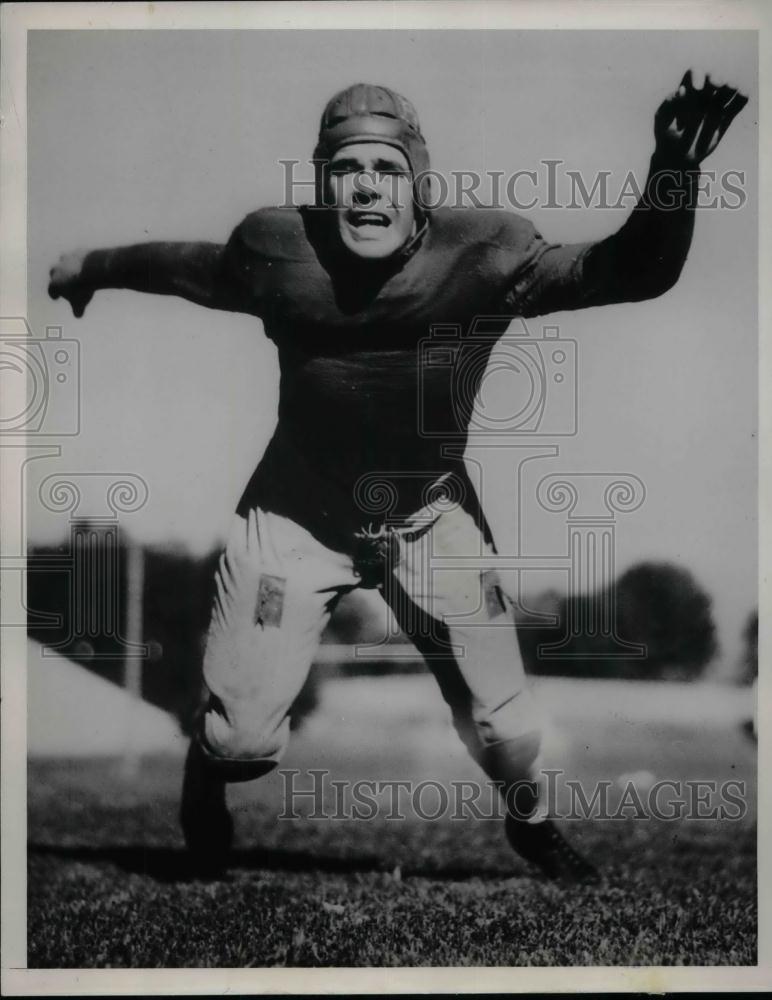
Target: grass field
[[108, 886]]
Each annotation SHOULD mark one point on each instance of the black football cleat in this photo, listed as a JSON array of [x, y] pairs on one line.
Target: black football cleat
[[206, 823], [545, 846]]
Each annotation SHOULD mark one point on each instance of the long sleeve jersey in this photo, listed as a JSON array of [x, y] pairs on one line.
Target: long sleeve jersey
[[380, 363]]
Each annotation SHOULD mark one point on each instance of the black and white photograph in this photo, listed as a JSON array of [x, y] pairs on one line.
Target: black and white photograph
[[380, 444]]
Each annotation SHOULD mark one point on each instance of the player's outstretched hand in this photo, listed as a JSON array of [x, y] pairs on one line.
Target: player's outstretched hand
[[690, 123], [67, 281]]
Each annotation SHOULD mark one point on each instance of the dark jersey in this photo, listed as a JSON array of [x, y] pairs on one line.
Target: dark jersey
[[380, 363]]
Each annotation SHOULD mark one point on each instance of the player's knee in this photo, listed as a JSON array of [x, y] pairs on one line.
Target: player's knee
[[503, 757], [241, 742], [512, 759], [509, 735]]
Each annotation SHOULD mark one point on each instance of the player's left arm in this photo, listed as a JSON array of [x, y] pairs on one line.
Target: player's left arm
[[644, 258]]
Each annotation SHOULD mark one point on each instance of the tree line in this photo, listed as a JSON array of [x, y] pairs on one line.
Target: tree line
[[657, 606]]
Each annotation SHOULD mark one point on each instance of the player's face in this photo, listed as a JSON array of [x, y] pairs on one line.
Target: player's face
[[371, 190]]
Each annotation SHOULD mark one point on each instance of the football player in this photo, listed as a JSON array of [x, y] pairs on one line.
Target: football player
[[348, 289]]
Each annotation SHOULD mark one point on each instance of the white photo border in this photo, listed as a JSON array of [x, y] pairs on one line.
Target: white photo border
[[17, 20]]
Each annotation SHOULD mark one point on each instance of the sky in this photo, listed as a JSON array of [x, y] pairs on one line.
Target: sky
[[138, 136]]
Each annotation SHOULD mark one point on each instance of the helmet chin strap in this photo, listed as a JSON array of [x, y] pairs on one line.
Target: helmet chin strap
[[404, 252], [413, 242], [320, 221]]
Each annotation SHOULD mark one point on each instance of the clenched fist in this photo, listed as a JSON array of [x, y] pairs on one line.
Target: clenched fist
[[67, 280], [691, 122]]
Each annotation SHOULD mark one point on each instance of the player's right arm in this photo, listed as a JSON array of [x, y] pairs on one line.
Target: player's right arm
[[200, 272]]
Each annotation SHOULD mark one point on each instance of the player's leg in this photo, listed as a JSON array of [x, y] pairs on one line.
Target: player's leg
[[460, 620], [276, 586]]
